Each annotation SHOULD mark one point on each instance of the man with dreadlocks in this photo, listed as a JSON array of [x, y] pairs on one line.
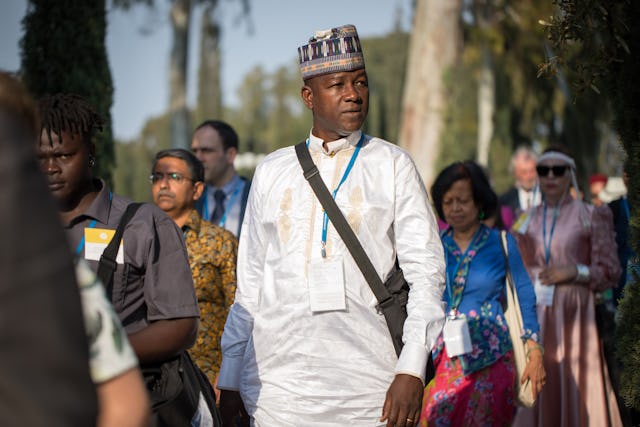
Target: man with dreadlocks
[[153, 291]]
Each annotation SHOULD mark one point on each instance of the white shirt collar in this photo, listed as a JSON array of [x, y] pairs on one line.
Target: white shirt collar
[[315, 143]]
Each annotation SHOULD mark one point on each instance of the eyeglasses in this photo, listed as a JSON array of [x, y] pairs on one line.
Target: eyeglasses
[[557, 170], [171, 176]]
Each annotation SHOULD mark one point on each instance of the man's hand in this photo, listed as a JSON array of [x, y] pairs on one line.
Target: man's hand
[[232, 408], [403, 402]]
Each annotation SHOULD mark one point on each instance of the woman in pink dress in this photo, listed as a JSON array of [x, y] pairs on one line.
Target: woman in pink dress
[[570, 253]]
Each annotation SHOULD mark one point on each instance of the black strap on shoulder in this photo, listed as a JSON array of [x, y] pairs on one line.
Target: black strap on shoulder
[[243, 203], [341, 225], [108, 265]]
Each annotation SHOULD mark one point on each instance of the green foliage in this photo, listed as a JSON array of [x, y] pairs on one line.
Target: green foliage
[[505, 33], [529, 110], [135, 158], [628, 344], [63, 50], [252, 117], [458, 141], [386, 62]]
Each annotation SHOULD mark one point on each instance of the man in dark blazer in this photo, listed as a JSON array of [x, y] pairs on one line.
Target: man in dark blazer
[[224, 199], [524, 194]]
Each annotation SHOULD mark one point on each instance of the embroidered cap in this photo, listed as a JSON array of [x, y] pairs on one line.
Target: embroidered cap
[[331, 51]]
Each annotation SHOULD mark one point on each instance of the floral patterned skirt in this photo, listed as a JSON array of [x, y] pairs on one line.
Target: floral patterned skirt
[[482, 398]]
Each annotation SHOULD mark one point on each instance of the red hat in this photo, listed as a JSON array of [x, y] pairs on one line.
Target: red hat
[[597, 177]]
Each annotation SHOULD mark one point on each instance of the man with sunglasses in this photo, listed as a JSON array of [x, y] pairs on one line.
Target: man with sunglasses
[[177, 182], [152, 290]]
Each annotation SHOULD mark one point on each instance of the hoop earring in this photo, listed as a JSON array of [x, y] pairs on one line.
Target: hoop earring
[[92, 161]]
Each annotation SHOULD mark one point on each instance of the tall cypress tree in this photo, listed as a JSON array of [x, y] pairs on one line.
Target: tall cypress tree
[[63, 50]]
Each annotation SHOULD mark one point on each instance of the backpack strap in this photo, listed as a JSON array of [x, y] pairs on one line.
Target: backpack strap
[[107, 265]]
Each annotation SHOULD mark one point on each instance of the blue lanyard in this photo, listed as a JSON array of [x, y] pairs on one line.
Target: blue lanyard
[[453, 273], [325, 219], [92, 224], [228, 206], [547, 244], [81, 244]]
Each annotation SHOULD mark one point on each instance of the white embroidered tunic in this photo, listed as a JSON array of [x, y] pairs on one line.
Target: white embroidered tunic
[[292, 366]]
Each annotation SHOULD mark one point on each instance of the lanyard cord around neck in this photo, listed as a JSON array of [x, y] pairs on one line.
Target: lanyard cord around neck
[[325, 219], [227, 206], [473, 246], [547, 244]]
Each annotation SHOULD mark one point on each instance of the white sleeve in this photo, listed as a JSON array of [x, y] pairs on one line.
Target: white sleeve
[[250, 267], [421, 257]]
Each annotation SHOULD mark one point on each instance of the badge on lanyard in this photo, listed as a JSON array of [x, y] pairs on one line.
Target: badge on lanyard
[[544, 293], [326, 285], [456, 335], [96, 241]]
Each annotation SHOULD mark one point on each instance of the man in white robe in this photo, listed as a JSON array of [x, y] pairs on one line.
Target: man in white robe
[[304, 344]]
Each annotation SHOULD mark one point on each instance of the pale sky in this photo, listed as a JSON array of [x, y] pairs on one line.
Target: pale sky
[[139, 42]]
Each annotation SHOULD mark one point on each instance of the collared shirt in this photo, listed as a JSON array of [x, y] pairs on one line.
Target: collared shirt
[[294, 367], [528, 198], [233, 191], [155, 282], [583, 235], [212, 256], [483, 296]]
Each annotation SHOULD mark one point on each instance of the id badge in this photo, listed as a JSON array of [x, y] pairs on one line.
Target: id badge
[[544, 293], [96, 241], [456, 336], [326, 285]]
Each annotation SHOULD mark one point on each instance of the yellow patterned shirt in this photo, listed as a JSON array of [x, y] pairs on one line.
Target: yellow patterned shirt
[[212, 255]]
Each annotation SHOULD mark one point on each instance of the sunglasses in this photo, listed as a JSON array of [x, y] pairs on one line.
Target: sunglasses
[[557, 170]]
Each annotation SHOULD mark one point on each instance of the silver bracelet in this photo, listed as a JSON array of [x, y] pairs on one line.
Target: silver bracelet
[[583, 273]]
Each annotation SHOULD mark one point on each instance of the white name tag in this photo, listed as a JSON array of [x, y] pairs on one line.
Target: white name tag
[[326, 285], [544, 293], [456, 337], [96, 241]]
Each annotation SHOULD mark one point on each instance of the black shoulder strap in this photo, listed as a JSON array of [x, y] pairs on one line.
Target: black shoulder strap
[[108, 265], [243, 203], [341, 225]]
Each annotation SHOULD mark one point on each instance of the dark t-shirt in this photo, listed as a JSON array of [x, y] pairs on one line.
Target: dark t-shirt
[[155, 281]]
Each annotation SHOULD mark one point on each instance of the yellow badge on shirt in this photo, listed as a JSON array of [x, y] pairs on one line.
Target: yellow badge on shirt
[[96, 241]]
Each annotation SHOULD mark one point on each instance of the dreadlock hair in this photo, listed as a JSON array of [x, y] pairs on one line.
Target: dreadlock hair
[[67, 112]]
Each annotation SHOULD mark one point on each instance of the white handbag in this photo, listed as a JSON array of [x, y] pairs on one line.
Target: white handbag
[[523, 393]]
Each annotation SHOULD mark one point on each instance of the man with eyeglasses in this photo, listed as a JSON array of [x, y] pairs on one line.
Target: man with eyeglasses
[[177, 182], [152, 290]]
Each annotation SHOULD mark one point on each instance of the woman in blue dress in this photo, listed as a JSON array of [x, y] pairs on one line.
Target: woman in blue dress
[[475, 371]]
